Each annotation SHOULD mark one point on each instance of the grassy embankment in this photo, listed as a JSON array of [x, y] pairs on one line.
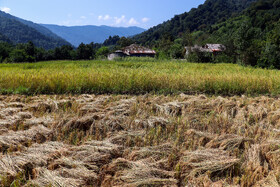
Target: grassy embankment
[[136, 77]]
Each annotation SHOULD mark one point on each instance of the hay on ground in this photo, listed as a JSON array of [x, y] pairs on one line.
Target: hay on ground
[[13, 139], [122, 172], [194, 138], [214, 161], [96, 153], [151, 122], [170, 109], [52, 178], [127, 138], [228, 142], [155, 153], [272, 180]]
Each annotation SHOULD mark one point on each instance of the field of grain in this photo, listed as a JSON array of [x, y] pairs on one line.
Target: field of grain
[[139, 140], [136, 77]]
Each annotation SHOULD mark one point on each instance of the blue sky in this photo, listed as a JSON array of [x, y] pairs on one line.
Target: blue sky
[[142, 13]]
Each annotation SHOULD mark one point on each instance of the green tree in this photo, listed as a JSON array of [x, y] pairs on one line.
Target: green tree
[[187, 39], [111, 40], [176, 51], [102, 52], [57, 53], [18, 55], [30, 49], [164, 44], [270, 55], [66, 52], [85, 52], [5, 49], [39, 54], [49, 55], [123, 42], [247, 46]]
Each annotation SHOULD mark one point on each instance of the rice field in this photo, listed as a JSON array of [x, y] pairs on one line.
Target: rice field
[[138, 123], [134, 76]]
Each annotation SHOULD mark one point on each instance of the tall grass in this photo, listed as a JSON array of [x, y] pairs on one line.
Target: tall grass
[[136, 77]]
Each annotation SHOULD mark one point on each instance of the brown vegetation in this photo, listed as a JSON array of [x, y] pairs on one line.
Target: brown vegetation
[[146, 140]]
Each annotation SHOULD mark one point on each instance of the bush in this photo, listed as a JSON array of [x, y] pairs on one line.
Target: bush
[[198, 56], [223, 58], [162, 55]]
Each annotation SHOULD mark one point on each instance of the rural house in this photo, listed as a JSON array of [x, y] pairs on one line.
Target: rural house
[[208, 48], [133, 50]]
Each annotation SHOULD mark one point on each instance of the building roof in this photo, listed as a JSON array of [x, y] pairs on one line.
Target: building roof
[[210, 48], [137, 49], [215, 47]]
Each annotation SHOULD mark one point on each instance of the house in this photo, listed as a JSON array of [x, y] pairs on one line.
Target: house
[[133, 50], [208, 48], [116, 54]]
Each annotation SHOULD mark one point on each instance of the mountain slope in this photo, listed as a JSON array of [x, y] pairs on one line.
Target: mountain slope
[[262, 16], [207, 14], [21, 31], [87, 34], [253, 36], [4, 38]]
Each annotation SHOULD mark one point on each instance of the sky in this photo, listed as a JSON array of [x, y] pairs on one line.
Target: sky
[[117, 13]]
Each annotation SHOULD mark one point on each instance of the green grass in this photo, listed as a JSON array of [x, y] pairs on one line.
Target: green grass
[[136, 77]]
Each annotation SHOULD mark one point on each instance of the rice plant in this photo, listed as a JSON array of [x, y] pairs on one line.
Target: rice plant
[[130, 76]]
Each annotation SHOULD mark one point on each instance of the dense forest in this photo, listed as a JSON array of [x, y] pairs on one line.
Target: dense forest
[[201, 18], [16, 30], [4, 38]]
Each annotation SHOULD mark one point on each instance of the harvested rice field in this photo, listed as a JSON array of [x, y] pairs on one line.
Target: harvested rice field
[[144, 140]]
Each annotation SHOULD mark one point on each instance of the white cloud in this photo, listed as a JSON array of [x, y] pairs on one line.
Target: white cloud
[[105, 18], [132, 21], [145, 20], [83, 17], [5, 9], [120, 20]]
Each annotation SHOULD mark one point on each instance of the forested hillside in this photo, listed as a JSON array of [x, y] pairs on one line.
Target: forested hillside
[[17, 31], [201, 18], [249, 30], [4, 38], [253, 38]]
